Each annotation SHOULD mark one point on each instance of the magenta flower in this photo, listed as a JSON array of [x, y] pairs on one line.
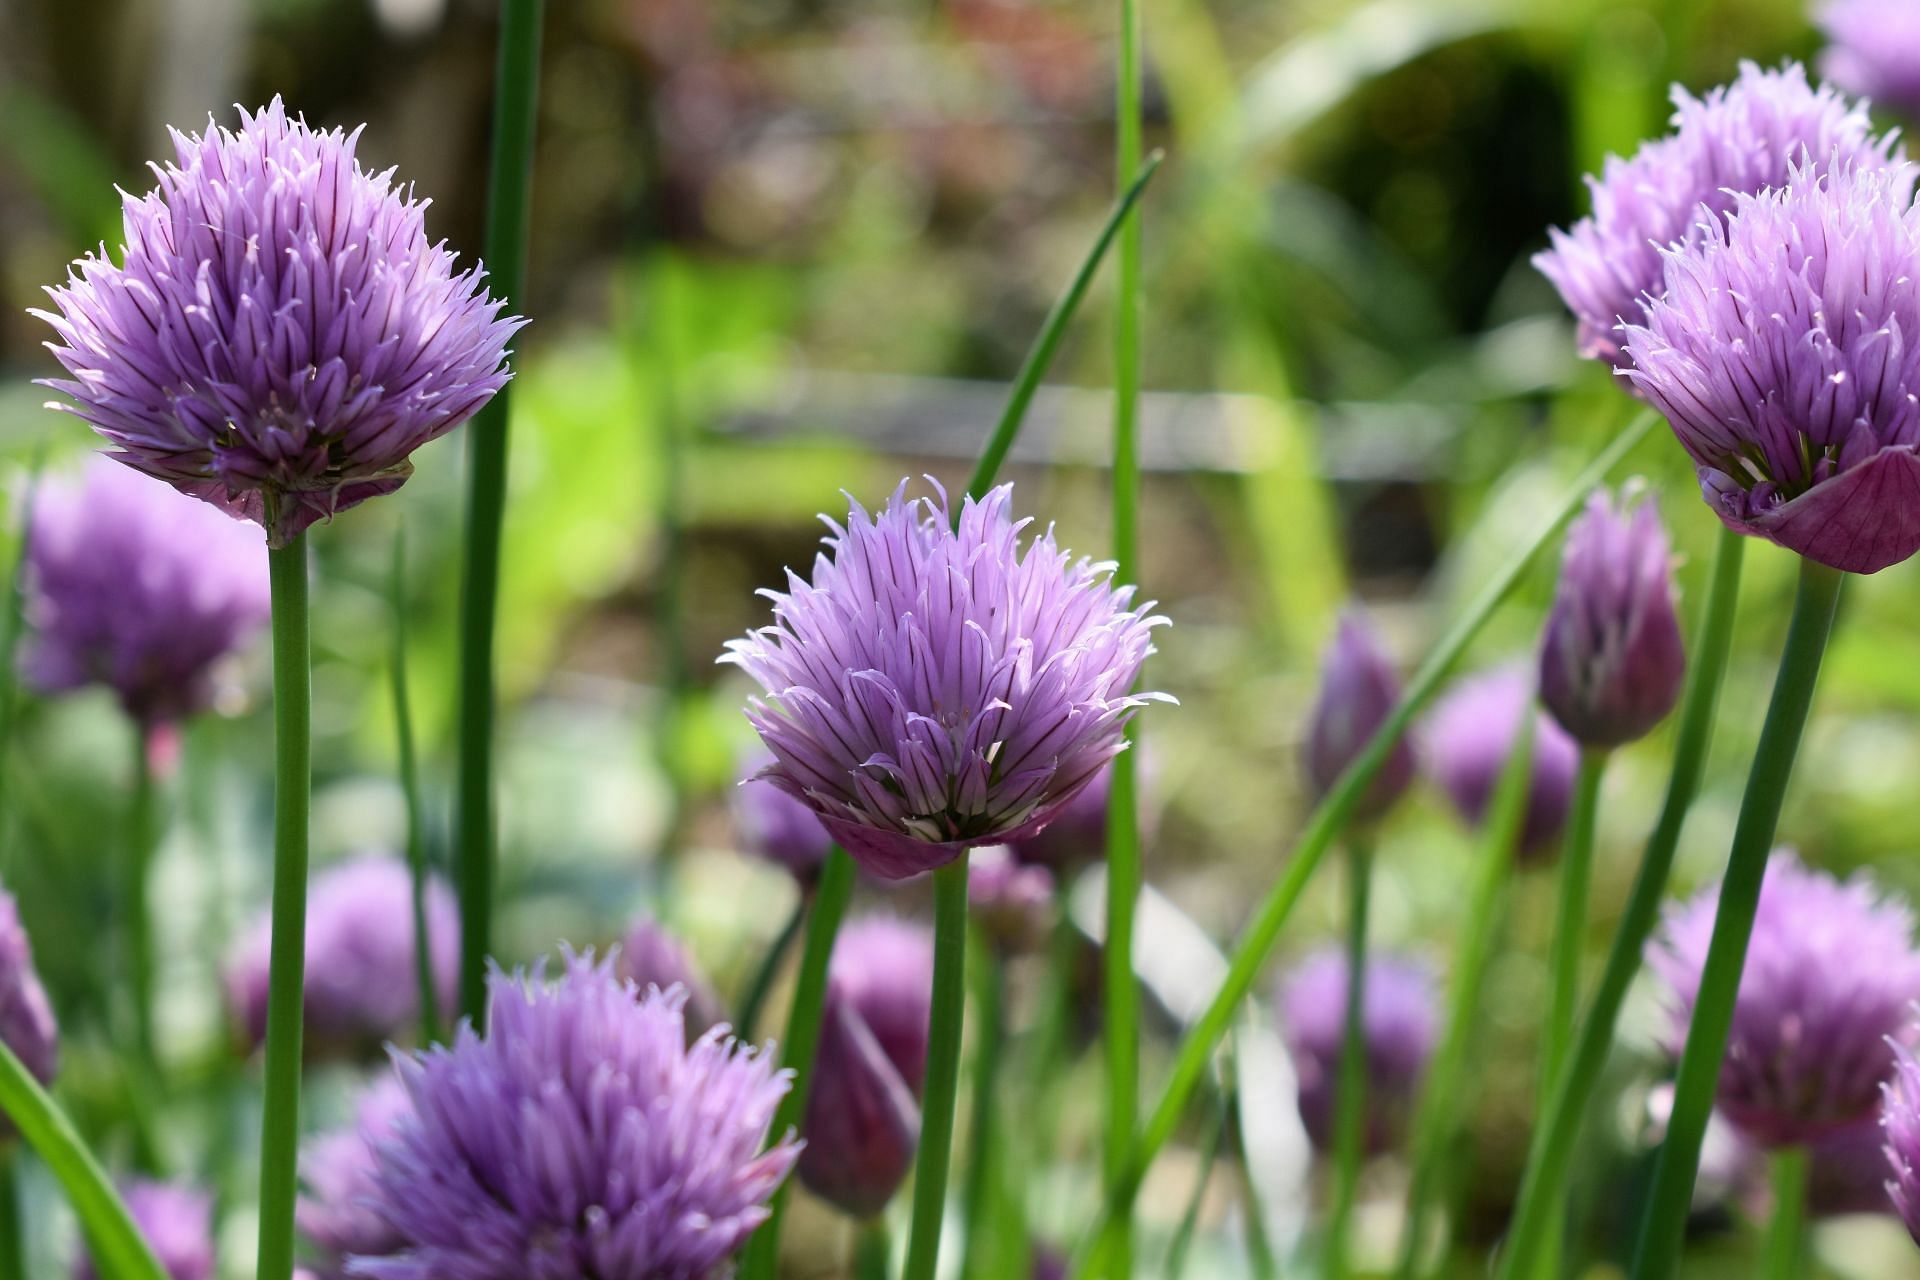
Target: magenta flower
[[337, 1213], [1358, 691], [1780, 356], [26, 1017], [1612, 660], [1399, 1027], [934, 688], [1468, 737], [177, 1223], [651, 957], [279, 334], [1874, 50], [1743, 138], [1901, 1116]]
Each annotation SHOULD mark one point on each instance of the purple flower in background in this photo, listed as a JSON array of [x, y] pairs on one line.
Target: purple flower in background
[[1742, 138], [1012, 900], [1780, 354], [1847, 1171], [280, 334], [777, 827], [883, 967], [1901, 1115], [26, 1018], [1468, 737], [336, 1213], [582, 1136], [1611, 660], [177, 1222], [652, 957], [1077, 833], [934, 688], [131, 585], [1358, 691], [1875, 50], [1830, 974], [362, 985], [1399, 1027]]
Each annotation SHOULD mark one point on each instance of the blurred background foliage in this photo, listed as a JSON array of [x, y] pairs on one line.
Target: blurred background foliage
[[784, 248]]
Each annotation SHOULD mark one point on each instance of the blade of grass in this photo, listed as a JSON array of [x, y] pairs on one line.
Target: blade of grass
[[410, 793], [13, 620]]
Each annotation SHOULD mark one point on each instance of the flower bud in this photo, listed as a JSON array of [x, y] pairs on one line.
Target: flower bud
[[1358, 691], [1468, 738]]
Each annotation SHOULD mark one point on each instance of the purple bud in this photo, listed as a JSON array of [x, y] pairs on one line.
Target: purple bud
[[335, 1213], [1612, 661], [1398, 1024], [1012, 900], [1901, 1115], [1358, 691], [1048, 1264], [177, 1222], [26, 1018], [777, 827], [882, 968], [652, 957], [1468, 737], [863, 1124], [1077, 833], [1874, 50]]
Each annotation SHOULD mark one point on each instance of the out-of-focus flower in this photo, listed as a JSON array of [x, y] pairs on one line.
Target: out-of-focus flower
[[1612, 660], [362, 985], [652, 957], [336, 1213], [582, 1136], [1744, 137], [279, 334], [1847, 1171], [1077, 833], [933, 688], [134, 586], [1874, 50], [779, 828], [1468, 737], [177, 1223], [26, 1018], [1901, 1116], [1778, 355], [883, 967], [1831, 973], [1397, 1023], [1012, 900], [1049, 1264], [1358, 691]]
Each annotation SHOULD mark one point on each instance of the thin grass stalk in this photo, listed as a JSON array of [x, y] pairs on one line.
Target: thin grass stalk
[[1182, 1242], [1786, 1251], [430, 1031], [873, 1251], [1350, 1100], [945, 1027]]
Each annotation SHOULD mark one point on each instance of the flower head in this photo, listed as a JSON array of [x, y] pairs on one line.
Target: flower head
[[1468, 737], [1012, 900], [131, 585], [1874, 50], [1782, 355], [652, 957], [779, 828], [1358, 691], [177, 1223], [26, 1018], [1744, 137], [1398, 1024], [1612, 661], [1901, 1116], [362, 986], [336, 1212], [279, 334], [581, 1136], [934, 688], [1830, 974]]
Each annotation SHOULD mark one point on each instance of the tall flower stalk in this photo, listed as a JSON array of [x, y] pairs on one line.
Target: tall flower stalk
[[409, 769], [1350, 1115]]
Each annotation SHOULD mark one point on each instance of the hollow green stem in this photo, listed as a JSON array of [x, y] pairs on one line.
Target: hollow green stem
[[943, 1068], [292, 748], [1786, 1256], [873, 1251], [12, 622], [1550, 1162], [1122, 993], [13, 1227], [1350, 1099], [410, 793], [827, 908], [755, 997], [1329, 818], [990, 1022], [509, 207], [139, 911], [1662, 1232]]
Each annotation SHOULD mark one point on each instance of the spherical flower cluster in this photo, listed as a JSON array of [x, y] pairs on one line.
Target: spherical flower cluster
[[1398, 1025], [279, 334], [177, 1224], [1902, 1119], [1874, 50], [26, 1017], [336, 1212], [582, 1136], [362, 988], [1831, 973], [1467, 740], [1612, 660], [1782, 353], [651, 957], [136, 587], [1358, 691], [777, 827], [1744, 137], [935, 688]]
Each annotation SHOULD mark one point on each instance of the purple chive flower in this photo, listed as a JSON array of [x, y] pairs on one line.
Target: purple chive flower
[[1012, 900], [1399, 1027], [336, 1213], [933, 688], [1742, 138], [1875, 50], [652, 957], [1830, 974], [883, 968], [1779, 355], [26, 1018], [279, 334], [581, 1136], [177, 1222], [1358, 691], [1847, 1171], [131, 585], [1077, 833], [777, 827], [1468, 737], [1612, 661], [1901, 1115], [362, 985]]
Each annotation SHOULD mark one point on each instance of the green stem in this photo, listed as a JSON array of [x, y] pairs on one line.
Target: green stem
[[116, 1243], [990, 1001], [1550, 1162], [1350, 1098], [1662, 1233], [943, 1068], [139, 911], [762, 981], [1786, 1256], [1122, 991], [1329, 818], [14, 621], [1182, 1244], [292, 743], [824, 913], [13, 1228], [509, 206], [410, 793], [873, 1251]]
